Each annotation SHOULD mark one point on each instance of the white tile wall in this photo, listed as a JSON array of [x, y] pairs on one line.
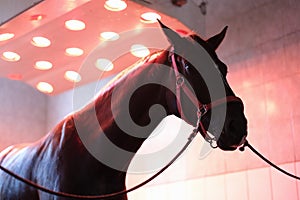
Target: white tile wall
[[298, 182], [236, 185], [259, 184], [23, 113], [284, 187], [256, 184]]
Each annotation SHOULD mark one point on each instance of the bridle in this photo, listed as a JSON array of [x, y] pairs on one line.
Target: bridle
[[202, 108]]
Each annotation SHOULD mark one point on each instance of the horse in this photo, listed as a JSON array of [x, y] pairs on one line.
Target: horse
[[178, 79]]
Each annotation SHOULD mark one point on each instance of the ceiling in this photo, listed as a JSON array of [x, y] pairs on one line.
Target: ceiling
[[47, 19]]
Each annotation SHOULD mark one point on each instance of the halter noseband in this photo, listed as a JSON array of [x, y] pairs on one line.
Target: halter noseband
[[202, 109]]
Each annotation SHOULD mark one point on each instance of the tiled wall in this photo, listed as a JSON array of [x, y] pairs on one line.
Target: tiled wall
[[257, 184], [23, 113], [261, 50]]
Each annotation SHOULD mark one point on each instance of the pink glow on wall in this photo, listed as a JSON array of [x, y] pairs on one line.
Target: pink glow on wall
[[269, 84]]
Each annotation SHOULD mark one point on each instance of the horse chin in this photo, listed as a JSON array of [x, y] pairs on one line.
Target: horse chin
[[225, 146], [221, 141]]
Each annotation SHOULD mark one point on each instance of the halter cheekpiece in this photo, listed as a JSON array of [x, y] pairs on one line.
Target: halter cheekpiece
[[202, 109]]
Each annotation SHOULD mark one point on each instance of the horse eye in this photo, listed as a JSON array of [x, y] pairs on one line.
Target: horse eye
[[185, 65], [187, 68]]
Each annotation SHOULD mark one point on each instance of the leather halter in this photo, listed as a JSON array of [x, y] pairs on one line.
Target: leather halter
[[202, 109]]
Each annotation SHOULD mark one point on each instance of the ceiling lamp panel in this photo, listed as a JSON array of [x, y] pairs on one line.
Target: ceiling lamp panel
[[45, 87], [109, 36], [72, 76], [150, 17], [10, 56], [104, 64], [6, 36], [139, 50], [43, 65], [75, 25], [74, 51], [40, 41], [115, 5]]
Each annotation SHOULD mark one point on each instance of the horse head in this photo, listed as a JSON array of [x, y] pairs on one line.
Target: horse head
[[195, 61]]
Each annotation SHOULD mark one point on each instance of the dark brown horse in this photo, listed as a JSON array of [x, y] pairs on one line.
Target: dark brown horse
[[89, 152]]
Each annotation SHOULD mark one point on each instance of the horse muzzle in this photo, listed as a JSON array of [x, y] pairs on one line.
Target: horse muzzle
[[230, 144]]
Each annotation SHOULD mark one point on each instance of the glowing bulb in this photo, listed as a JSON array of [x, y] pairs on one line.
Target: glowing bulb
[[75, 25], [43, 65], [6, 36], [104, 64], [139, 50], [72, 76], [11, 56], [74, 51], [150, 17], [115, 5], [40, 41], [109, 36], [44, 87]]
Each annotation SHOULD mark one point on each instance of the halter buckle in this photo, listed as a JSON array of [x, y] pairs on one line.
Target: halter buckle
[[202, 110]]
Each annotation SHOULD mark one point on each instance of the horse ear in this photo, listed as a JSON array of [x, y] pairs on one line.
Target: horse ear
[[173, 37], [216, 40]]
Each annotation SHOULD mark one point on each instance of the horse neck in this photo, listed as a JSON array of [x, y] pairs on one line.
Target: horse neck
[[126, 111]]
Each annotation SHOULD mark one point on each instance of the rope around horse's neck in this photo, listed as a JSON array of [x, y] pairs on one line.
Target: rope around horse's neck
[[104, 196], [246, 144]]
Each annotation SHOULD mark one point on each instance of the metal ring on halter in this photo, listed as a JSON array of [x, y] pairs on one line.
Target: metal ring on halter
[[202, 110], [179, 81], [213, 143], [211, 140]]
